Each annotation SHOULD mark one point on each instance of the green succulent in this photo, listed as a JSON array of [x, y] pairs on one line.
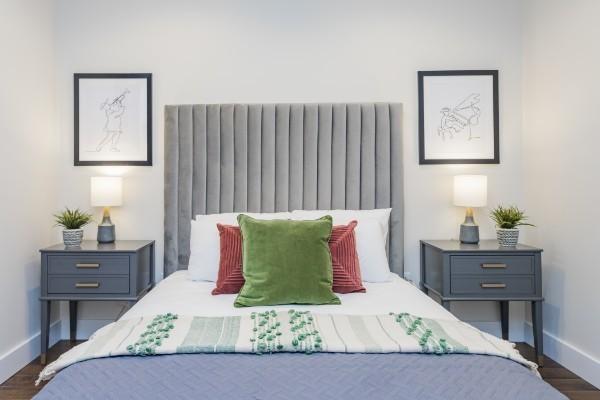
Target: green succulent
[[508, 217], [72, 219]]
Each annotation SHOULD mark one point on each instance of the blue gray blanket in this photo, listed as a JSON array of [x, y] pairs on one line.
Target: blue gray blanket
[[298, 376]]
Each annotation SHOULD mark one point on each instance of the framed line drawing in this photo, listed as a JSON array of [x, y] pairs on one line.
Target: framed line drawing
[[113, 119], [458, 117]]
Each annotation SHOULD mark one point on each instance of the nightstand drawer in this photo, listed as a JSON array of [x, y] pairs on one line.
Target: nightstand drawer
[[492, 265], [88, 265], [493, 285], [88, 284]]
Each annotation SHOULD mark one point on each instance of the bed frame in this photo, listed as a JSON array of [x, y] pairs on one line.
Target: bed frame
[[280, 157]]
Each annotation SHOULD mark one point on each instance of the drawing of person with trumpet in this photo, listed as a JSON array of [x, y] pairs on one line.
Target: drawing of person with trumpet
[[113, 111]]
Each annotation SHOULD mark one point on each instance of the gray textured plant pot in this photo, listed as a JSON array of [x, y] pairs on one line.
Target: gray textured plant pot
[[72, 237], [507, 237]]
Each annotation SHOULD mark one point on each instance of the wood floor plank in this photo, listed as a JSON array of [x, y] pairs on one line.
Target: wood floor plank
[[19, 380], [21, 385], [593, 395], [17, 393], [571, 385], [548, 373]]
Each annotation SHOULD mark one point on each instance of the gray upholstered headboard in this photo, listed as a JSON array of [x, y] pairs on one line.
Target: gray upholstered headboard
[[280, 157]]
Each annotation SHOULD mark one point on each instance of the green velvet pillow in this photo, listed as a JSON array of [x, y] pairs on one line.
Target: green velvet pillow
[[285, 262]]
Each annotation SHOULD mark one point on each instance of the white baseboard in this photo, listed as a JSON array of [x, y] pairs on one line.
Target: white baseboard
[[23, 353], [85, 327], [569, 356]]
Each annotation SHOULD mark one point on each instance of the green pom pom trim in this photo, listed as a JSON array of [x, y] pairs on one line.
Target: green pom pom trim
[[153, 336]]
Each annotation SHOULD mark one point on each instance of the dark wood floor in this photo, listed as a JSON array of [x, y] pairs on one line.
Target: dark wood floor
[[21, 385], [561, 378]]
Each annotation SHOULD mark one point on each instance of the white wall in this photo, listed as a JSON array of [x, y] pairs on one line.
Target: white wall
[[561, 94], [28, 153], [274, 51]]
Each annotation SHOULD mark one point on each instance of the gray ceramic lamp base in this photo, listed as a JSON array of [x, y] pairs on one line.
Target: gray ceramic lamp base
[[106, 234], [469, 230], [469, 234], [106, 230]]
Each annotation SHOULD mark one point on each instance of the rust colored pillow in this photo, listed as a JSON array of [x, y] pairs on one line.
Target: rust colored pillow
[[230, 279], [344, 260]]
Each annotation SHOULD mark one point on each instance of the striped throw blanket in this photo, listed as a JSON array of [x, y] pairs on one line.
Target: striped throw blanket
[[293, 331]]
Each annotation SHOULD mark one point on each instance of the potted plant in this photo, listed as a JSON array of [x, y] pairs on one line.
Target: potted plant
[[72, 221], [507, 220]]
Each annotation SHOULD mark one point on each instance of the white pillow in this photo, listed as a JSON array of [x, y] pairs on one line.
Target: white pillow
[[371, 237], [205, 243]]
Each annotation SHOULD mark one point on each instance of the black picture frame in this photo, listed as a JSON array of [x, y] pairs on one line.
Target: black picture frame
[[148, 77], [496, 141]]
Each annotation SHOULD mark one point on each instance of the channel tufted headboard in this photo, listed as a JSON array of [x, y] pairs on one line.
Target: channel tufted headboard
[[280, 157]]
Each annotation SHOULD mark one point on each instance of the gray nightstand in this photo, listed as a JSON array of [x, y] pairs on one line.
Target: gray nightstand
[[119, 271], [485, 271]]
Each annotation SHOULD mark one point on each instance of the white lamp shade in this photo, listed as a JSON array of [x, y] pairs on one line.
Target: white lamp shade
[[107, 191], [470, 190]]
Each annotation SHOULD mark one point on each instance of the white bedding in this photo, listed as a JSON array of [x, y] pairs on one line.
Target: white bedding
[[180, 295]]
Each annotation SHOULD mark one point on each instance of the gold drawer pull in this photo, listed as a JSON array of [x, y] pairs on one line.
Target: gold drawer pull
[[493, 265], [87, 285], [87, 265], [493, 285]]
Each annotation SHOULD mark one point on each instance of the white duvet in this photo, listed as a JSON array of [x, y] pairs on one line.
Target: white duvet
[[180, 295]]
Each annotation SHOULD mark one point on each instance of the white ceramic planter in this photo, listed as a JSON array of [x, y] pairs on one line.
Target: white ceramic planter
[[72, 237], [507, 237]]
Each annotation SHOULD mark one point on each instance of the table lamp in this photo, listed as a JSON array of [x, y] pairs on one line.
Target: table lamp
[[106, 192], [470, 191]]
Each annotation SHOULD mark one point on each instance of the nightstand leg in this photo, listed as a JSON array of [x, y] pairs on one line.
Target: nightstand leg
[[446, 304], [73, 320], [45, 329], [504, 319], [538, 331]]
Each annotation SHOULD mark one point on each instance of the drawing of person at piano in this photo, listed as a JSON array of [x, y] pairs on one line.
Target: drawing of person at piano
[[113, 112], [464, 116]]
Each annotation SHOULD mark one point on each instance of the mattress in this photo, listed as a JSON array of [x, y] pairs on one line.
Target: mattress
[[295, 376]]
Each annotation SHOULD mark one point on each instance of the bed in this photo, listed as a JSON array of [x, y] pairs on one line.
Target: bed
[[281, 157]]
